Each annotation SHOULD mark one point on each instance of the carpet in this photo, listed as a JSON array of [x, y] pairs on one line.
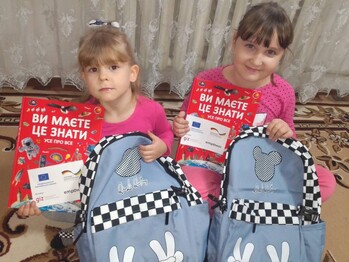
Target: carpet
[[321, 124]]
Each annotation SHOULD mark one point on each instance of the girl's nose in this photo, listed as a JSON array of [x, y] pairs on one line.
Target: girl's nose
[[103, 74], [257, 60]]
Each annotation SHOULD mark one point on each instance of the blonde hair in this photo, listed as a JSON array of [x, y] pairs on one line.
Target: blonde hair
[[106, 45]]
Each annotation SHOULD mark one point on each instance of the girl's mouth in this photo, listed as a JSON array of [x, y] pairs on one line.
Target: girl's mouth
[[252, 70], [105, 89]]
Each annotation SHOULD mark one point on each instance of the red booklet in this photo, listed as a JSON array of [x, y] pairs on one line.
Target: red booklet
[[54, 139], [216, 114]]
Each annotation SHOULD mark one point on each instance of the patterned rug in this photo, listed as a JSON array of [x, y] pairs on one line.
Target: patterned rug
[[321, 124]]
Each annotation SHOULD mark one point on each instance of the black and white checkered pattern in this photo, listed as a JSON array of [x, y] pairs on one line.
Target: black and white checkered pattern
[[311, 191], [64, 234], [138, 207], [264, 212], [157, 202], [130, 163], [89, 172]]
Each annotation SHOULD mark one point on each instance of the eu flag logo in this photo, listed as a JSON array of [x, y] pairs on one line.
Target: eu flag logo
[[196, 124], [43, 177]]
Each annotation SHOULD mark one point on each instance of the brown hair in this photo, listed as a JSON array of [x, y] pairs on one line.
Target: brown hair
[[262, 20], [106, 45]]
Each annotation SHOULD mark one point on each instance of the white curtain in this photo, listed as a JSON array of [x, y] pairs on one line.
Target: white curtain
[[173, 40]]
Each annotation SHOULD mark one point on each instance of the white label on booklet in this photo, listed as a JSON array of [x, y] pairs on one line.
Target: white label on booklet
[[259, 119], [55, 184], [206, 134]]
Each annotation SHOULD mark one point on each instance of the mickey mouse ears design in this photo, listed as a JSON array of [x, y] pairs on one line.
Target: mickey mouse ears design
[[97, 22]]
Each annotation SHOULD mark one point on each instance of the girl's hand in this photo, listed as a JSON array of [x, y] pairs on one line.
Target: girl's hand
[[180, 125], [28, 209], [278, 128], [153, 151]]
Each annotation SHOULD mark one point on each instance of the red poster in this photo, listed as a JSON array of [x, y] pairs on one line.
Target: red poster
[[216, 114], [52, 133]]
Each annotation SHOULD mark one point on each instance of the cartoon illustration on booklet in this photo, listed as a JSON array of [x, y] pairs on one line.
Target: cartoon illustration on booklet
[[216, 114], [54, 139]]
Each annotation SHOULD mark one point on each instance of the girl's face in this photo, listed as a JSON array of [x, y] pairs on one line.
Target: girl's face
[[253, 63], [110, 83]]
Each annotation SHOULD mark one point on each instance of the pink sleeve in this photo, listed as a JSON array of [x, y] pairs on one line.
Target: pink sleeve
[[289, 113], [163, 129], [279, 102], [214, 74], [288, 104]]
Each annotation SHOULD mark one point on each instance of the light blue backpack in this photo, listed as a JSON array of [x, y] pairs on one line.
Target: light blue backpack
[[269, 205], [138, 211]]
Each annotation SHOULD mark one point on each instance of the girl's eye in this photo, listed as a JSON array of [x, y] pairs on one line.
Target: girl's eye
[[114, 67], [249, 46], [92, 69], [271, 53]]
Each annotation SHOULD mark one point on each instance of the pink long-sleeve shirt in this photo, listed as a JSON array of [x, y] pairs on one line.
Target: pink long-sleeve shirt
[[278, 101], [148, 115]]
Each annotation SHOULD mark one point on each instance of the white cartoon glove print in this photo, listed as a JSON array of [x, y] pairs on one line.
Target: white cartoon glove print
[[246, 255], [128, 256], [171, 255], [285, 253]]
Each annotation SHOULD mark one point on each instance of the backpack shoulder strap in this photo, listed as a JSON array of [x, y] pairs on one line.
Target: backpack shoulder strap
[[174, 169]]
